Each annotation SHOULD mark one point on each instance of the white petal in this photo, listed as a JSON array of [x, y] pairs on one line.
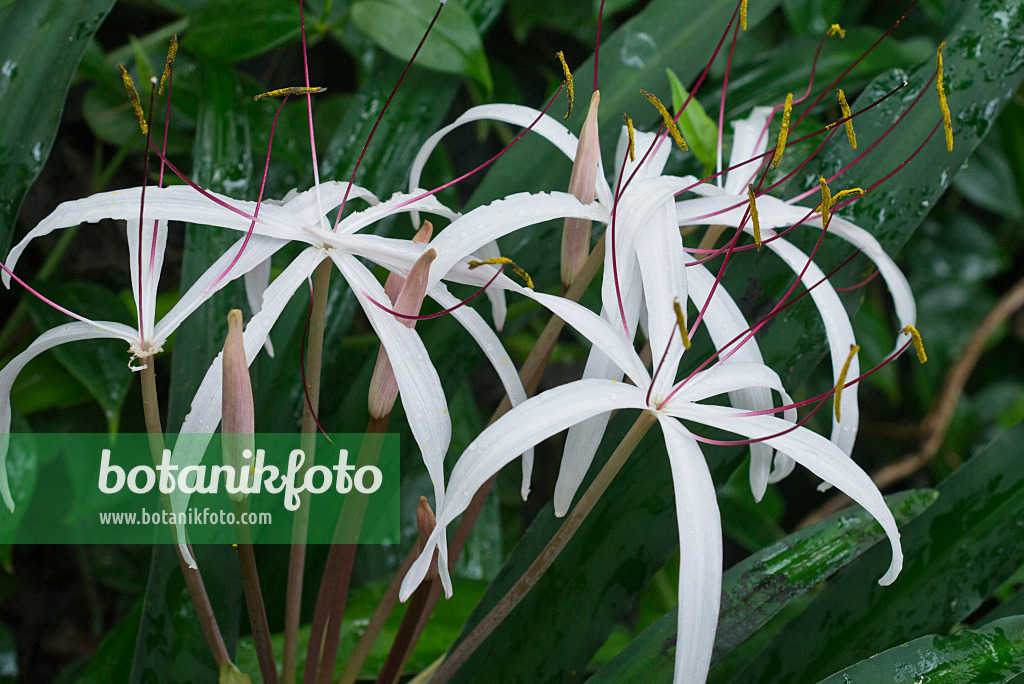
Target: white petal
[[700, 554], [813, 452], [750, 139], [69, 332], [307, 205], [418, 384], [495, 295], [496, 354], [153, 245], [366, 217], [256, 282], [471, 231], [655, 163], [525, 426], [517, 115], [205, 413]]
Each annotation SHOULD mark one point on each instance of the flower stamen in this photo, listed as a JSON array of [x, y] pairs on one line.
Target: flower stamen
[[681, 320], [133, 96], [629, 131], [946, 121], [505, 261], [835, 30], [845, 107], [841, 382], [743, 15], [291, 90], [567, 80], [670, 123], [753, 215], [780, 146], [918, 342], [171, 54]]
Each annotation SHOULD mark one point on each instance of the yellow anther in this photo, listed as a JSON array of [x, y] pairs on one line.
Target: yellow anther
[[681, 320], [284, 92], [946, 121], [836, 29], [743, 15], [171, 53], [753, 216], [568, 81], [629, 131], [918, 343], [784, 131], [667, 118], [846, 193], [505, 261], [842, 376], [133, 96], [828, 201], [845, 106]]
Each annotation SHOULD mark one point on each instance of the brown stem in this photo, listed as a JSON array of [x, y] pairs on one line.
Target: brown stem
[[300, 523], [193, 579], [530, 375], [933, 427], [395, 662], [254, 597], [549, 553]]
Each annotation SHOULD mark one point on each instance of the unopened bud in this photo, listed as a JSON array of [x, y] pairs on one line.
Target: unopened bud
[[583, 186], [426, 522], [393, 285], [383, 385], [238, 414]]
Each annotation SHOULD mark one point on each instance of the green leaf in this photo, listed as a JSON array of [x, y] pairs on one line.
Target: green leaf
[[698, 129], [756, 589], [112, 661], [230, 30], [40, 46], [453, 45], [100, 365], [994, 653], [956, 553]]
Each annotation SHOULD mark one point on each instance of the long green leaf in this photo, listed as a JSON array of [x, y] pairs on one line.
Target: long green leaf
[[957, 552], [758, 588], [994, 653], [40, 46]]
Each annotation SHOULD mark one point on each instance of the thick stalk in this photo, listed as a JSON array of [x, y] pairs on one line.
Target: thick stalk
[[550, 552], [530, 375], [254, 597], [300, 523], [193, 579]]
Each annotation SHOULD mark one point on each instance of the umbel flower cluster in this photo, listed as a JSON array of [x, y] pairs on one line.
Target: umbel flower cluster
[[659, 290]]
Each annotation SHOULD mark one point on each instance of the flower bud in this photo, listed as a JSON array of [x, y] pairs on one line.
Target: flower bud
[[383, 385], [426, 522], [238, 414], [582, 185]]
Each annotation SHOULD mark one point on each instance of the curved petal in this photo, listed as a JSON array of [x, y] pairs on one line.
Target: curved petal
[[313, 204], [642, 141], [205, 413], [496, 354], [532, 422], [700, 554], [472, 231], [813, 452], [69, 332], [394, 205], [517, 115], [256, 282], [495, 295], [750, 139], [418, 384], [154, 241]]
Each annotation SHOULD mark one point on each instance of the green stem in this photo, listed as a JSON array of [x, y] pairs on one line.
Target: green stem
[[549, 553], [193, 579], [300, 523]]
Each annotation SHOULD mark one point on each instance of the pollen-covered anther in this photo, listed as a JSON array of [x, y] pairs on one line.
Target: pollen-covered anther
[[828, 200], [835, 30], [667, 118], [291, 90], [753, 215], [681, 322], [743, 15], [133, 97], [629, 132], [568, 81], [918, 342], [854, 348], [845, 107], [505, 261], [172, 52], [947, 122], [783, 131]]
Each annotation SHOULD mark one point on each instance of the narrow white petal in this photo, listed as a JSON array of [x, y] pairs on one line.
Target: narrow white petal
[[517, 115], [656, 161], [306, 206], [525, 426], [154, 243], [496, 354], [494, 294], [750, 139], [700, 554], [812, 451], [69, 332], [361, 219], [418, 384], [256, 282]]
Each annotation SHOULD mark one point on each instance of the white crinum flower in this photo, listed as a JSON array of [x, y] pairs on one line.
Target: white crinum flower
[[716, 205]]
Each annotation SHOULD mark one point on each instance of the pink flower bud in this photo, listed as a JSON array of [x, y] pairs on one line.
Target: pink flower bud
[[238, 421], [582, 185], [426, 522], [383, 386]]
